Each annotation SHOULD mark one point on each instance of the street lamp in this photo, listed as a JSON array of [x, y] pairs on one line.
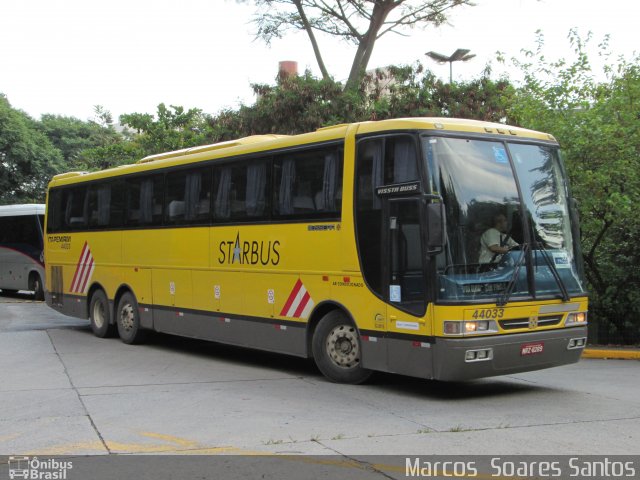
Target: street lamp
[[460, 55]]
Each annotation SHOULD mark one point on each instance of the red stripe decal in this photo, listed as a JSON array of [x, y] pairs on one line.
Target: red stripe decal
[[76, 286], [73, 282], [291, 298], [303, 304], [86, 278]]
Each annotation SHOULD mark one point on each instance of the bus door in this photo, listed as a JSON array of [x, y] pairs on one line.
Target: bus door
[[390, 243], [406, 288]]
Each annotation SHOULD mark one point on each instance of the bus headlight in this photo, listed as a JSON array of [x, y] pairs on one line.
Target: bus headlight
[[470, 327], [576, 318]]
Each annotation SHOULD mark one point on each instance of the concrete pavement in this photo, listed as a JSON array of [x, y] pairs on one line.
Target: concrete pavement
[[64, 391]]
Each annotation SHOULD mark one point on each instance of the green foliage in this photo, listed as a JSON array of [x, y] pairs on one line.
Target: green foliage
[[296, 104], [27, 157], [597, 123], [73, 136], [300, 104], [173, 128], [412, 91]]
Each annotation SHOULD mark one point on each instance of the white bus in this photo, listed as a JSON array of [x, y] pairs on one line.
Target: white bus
[[21, 249]]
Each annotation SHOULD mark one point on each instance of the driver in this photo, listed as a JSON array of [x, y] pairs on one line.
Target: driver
[[495, 241]]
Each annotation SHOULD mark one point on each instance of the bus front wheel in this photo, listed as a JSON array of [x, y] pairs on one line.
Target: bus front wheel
[[336, 349], [99, 315], [128, 320]]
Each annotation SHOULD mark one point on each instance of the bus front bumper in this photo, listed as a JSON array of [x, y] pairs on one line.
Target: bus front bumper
[[469, 357]]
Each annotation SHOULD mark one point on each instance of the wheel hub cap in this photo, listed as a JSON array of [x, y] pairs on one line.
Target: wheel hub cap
[[342, 346], [127, 317]]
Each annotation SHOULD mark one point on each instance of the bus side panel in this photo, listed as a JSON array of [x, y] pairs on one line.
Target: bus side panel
[[12, 269], [205, 294], [171, 292], [139, 279], [410, 356], [251, 332]]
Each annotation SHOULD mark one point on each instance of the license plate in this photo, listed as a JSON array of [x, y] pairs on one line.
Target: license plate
[[531, 348]]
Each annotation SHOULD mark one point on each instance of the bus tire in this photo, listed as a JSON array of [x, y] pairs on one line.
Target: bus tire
[[336, 349], [99, 315], [35, 284], [128, 320]]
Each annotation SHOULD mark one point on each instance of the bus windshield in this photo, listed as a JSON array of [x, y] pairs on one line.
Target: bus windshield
[[509, 225]]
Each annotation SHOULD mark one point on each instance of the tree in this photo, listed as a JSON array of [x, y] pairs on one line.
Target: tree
[[359, 22], [73, 136], [28, 160], [173, 128], [597, 124], [300, 104]]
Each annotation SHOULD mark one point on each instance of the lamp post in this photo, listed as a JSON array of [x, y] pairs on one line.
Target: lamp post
[[460, 55]]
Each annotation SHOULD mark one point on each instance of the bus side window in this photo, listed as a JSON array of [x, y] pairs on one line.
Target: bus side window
[[174, 207], [308, 184], [241, 192], [75, 208], [117, 204], [237, 196], [401, 160], [188, 197], [54, 213], [99, 205], [4, 230], [221, 193], [144, 200], [258, 188]]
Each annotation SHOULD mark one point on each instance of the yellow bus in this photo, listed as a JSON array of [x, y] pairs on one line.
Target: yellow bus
[[363, 246]]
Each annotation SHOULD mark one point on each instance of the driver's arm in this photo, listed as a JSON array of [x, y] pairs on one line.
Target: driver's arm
[[498, 249]]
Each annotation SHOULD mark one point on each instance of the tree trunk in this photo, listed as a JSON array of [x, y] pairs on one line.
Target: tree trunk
[[312, 38], [367, 42]]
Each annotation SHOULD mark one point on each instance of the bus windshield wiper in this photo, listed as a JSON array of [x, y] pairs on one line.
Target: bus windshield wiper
[[554, 272], [502, 300]]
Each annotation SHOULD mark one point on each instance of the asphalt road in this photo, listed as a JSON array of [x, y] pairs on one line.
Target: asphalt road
[[65, 392]]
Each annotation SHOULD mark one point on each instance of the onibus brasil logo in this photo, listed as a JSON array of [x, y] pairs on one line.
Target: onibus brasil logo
[[36, 469]]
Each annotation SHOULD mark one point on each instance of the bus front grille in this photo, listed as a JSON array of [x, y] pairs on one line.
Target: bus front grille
[[516, 323]]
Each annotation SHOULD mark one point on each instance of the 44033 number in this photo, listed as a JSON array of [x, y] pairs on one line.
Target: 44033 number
[[488, 313]]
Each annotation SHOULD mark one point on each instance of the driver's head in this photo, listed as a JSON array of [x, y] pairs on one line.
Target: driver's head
[[500, 222]]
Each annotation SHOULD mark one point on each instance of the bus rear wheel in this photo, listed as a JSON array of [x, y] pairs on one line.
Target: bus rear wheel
[[99, 315], [128, 320], [336, 350]]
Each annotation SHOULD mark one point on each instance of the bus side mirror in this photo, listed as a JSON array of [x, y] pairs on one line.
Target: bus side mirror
[[436, 227]]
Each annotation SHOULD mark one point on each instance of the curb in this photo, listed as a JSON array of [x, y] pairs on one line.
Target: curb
[[614, 354]]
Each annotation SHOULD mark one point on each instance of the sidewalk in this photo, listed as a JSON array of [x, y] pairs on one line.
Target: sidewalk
[[612, 352]]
